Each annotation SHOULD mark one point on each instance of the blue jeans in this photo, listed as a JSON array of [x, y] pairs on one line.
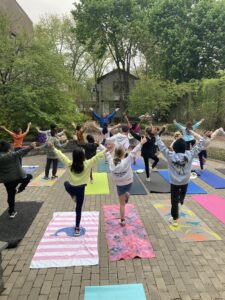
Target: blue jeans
[[78, 192]]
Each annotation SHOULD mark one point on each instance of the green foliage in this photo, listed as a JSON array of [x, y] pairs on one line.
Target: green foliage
[[34, 82], [186, 39]]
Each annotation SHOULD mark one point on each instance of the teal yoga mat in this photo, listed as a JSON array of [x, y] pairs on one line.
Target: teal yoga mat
[[103, 167], [115, 292]]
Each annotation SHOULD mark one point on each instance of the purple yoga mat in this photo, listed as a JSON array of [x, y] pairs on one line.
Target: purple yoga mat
[[214, 204]]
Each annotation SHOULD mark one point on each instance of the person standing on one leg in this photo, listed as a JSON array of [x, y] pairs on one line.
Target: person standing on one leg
[[122, 173], [179, 167], [79, 172], [12, 174]]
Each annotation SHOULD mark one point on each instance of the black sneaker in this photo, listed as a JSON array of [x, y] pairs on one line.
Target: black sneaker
[[45, 178], [13, 214], [54, 177]]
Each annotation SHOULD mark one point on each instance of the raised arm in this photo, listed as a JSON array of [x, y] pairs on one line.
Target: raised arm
[[135, 135], [195, 134], [178, 125], [115, 126], [8, 131], [162, 147], [196, 125], [67, 162], [27, 130], [199, 147], [19, 153], [112, 115], [98, 117], [127, 121]]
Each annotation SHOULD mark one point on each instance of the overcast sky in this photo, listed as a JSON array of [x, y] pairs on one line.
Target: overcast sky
[[37, 8]]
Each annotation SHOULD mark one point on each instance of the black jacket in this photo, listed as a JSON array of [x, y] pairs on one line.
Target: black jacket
[[149, 149], [10, 166], [90, 149]]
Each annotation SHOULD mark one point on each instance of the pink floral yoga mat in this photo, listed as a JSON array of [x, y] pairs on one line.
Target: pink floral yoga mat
[[214, 204], [129, 241]]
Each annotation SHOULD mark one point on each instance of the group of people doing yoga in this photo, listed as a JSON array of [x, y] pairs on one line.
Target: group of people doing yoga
[[119, 149]]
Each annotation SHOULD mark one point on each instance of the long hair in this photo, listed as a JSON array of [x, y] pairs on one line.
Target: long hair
[[118, 155], [78, 160]]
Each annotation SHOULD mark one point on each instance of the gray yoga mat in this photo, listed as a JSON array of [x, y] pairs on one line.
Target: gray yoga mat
[[162, 164], [137, 187], [13, 231], [157, 183]]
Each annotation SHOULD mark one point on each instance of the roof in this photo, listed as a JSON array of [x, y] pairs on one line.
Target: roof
[[115, 71]]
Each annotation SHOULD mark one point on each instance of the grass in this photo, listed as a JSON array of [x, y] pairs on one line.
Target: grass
[[216, 153]]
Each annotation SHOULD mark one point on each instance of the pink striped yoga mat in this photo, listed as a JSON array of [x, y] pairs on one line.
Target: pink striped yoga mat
[[59, 247], [129, 241], [214, 204]]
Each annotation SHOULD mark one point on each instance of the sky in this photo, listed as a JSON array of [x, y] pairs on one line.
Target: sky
[[37, 8]]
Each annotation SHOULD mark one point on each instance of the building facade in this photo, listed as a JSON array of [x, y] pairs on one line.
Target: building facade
[[20, 22], [109, 91]]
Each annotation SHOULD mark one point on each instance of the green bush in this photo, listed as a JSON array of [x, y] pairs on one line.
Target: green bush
[[216, 153]]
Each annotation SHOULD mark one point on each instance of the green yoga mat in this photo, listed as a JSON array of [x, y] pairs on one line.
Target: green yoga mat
[[115, 292], [100, 185], [191, 228]]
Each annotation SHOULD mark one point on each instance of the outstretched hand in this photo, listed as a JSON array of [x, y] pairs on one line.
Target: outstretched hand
[[91, 108], [143, 140], [117, 109]]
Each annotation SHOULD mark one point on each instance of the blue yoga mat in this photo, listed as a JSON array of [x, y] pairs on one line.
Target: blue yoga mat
[[30, 169], [192, 187], [211, 179], [139, 164], [103, 167], [115, 292]]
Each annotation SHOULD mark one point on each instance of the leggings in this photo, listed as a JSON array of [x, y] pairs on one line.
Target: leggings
[[178, 193], [48, 165], [11, 190], [190, 144], [156, 160], [202, 157], [78, 192]]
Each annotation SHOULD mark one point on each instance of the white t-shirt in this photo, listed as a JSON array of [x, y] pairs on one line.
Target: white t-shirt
[[105, 136]]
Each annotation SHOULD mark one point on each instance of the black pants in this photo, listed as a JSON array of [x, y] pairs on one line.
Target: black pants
[[48, 165], [78, 192], [178, 193], [20, 158], [190, 144], [202, 156], [146, 159], [11, 190]]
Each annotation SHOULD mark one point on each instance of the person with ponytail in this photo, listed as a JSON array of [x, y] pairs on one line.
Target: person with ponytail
[[79, 173], [120, 166]]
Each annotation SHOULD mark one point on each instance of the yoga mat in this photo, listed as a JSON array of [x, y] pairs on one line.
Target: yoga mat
[[137, 187], [39, 181], [138, 165], [115, 292], [103, 166], [100, 185], [192, 187], [129, 241], [60, 248], [191, 228], [157, 183], [221, 171], [211, 179], [30, 169], [214, 204], [195, 162], [13, 231]]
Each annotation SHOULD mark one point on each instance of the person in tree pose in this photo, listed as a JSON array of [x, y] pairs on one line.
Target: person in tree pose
[[120, 166], [189, 139], [18, 137], [105, 119], [51, 156], [105, 131], [202, 155], [12, 173], [79, 172], [149, 149], [179, 167], [121, 138], [136, 127]]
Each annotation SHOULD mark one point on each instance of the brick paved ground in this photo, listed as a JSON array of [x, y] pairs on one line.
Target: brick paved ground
[[181, 270]]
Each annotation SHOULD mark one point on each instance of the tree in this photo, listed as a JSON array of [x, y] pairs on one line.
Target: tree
[[34, 83], [114, 26], [186, 39]]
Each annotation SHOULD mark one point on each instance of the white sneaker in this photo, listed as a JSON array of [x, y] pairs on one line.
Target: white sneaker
[[12, 215], [175, 223], [170, 220], [148, 179]]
